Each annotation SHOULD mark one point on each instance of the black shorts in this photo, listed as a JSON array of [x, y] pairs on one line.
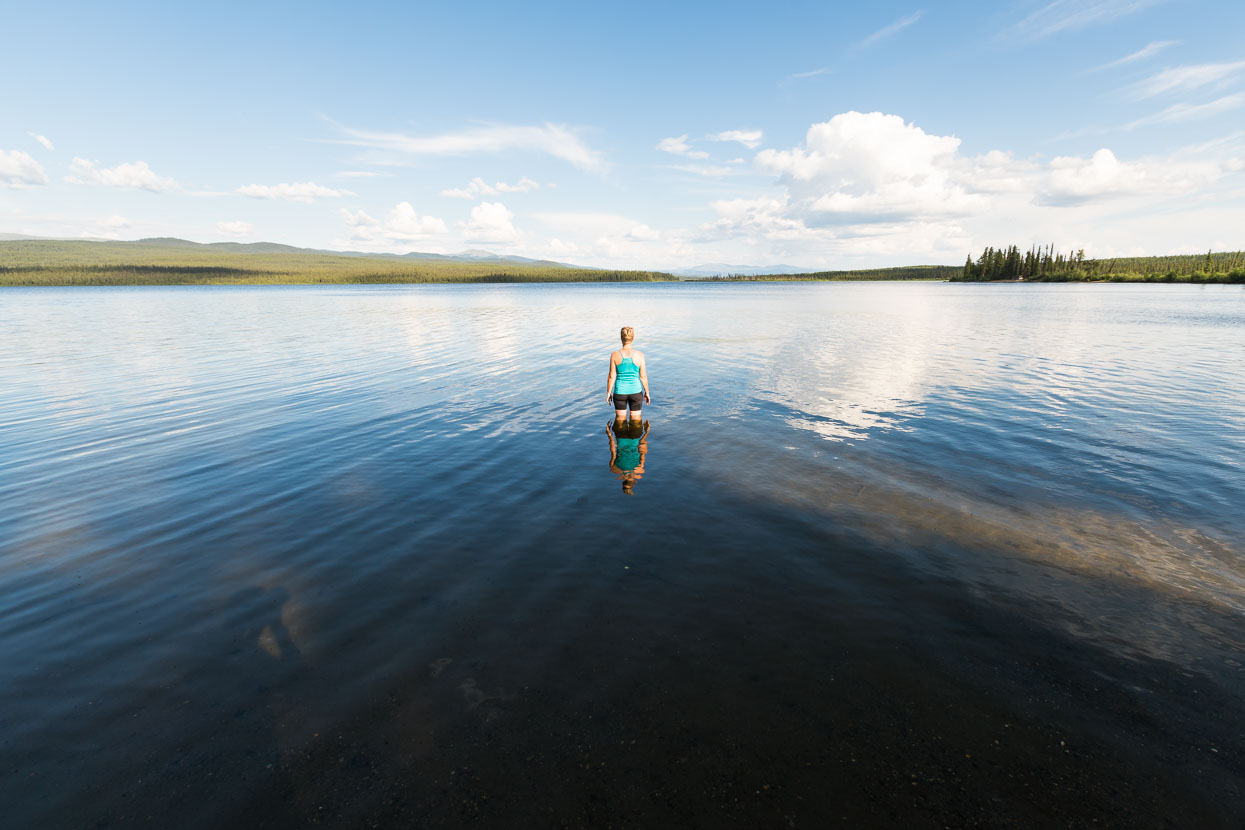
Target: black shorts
[[635, 401]]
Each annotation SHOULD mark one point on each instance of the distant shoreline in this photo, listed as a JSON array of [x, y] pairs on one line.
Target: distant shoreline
[[505, 279], [70, 263]]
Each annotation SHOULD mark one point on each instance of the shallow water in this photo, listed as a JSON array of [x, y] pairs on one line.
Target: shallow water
[[935, 554]]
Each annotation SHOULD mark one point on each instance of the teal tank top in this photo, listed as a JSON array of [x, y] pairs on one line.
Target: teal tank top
[[627, 381], [628, 456]]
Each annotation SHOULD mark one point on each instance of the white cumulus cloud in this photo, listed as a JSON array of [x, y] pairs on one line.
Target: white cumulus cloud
[[490, 223], [765, 216], [477, 187], [42, 139], [560, 247], [402, 225], [643, 233], [1070, 180], [136, 174], [234, 228], [871, 166], [678, 146], [305, 192], [523, 185], [18, 169]]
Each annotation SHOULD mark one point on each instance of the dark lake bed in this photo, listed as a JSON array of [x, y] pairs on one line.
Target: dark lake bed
[[926, 555]]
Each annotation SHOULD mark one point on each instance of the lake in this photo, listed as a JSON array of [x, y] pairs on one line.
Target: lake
[[913, 554]]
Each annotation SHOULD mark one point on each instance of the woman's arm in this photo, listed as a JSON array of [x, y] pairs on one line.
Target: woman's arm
[[609, 383]]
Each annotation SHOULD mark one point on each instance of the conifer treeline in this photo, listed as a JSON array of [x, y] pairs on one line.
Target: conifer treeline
[[1048, 265]]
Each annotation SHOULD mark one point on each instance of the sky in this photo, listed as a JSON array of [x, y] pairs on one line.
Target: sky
[[642, 135]]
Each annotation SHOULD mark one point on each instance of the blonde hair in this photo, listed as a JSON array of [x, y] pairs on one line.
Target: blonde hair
[[627, 334]]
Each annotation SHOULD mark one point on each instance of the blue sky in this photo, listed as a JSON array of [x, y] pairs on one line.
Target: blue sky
[[648, 135]]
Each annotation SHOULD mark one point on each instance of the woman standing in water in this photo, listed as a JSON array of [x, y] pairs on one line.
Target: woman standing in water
[[628, 381], [627, 387]]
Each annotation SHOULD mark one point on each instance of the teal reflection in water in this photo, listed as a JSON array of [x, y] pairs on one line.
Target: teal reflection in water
[[628, 451]]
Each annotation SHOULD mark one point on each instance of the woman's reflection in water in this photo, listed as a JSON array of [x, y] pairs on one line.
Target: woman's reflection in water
[[628, 446]]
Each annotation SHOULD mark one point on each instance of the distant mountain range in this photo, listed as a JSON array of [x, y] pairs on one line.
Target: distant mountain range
[[472, 255]]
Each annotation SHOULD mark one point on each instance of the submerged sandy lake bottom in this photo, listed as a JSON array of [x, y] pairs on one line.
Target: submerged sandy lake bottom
[[919, 554]]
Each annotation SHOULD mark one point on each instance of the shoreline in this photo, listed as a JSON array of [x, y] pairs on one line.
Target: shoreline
[[529, 281], [72, 263]]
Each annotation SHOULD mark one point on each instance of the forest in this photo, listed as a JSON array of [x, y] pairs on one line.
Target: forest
[[1045, 264]]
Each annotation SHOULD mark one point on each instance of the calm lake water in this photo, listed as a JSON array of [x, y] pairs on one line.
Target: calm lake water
[[916, 554]]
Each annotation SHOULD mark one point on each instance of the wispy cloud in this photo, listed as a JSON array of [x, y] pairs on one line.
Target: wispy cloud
[[305, 192], [1147, 51], [358, 174], [887, 31], [1063, 15], [812, 73], [1191, 112], [679, 146], [749, 138], [1180, 78], [137, 175], [42, 139], [555, 140], [18, 169]]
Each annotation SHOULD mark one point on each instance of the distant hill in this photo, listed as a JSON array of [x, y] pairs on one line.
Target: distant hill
[[172, 261], [235, 247], [474, 255], [171, 242]]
